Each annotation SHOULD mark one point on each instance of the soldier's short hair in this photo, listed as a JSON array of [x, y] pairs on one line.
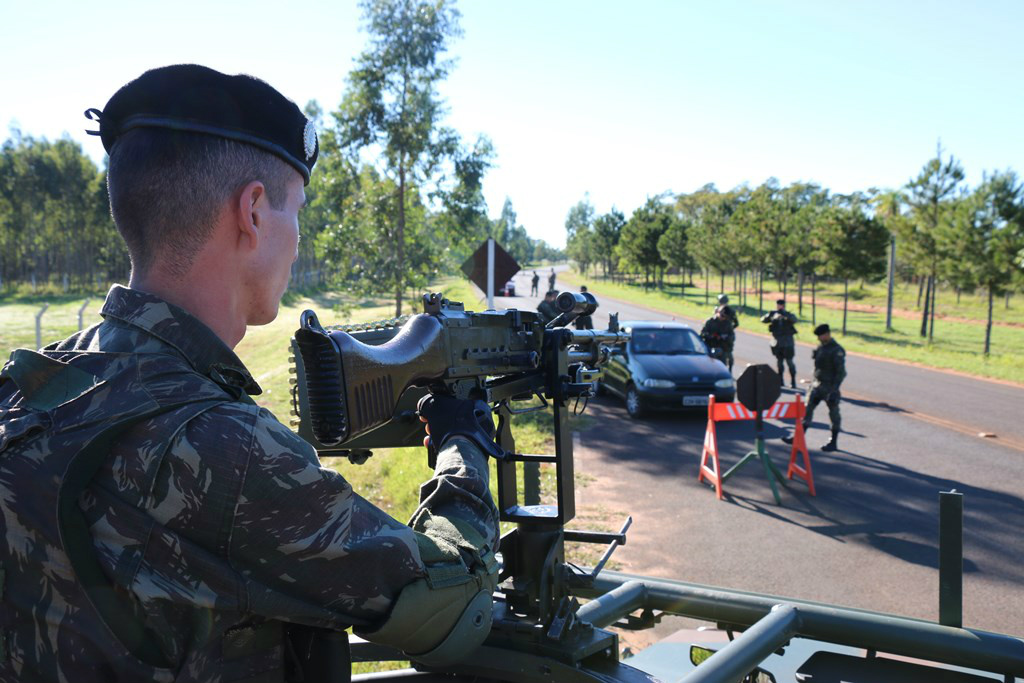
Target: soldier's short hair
[[780, 301], [168, 187]]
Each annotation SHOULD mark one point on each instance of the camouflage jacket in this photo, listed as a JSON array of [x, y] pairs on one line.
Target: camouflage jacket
[[782, 325], [212, 523], [718, 333], [829, 364]]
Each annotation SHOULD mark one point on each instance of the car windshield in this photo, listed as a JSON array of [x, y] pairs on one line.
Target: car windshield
[[666, 342]]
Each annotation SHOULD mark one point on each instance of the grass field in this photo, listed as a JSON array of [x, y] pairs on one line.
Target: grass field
[[957, 345]]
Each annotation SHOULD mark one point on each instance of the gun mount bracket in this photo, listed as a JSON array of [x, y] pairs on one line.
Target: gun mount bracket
[[648, 618]]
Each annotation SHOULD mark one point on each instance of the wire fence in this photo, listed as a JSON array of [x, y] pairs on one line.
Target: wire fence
[[36, 324]]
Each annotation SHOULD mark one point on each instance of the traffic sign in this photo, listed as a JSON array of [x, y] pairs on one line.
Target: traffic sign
[[475, 267]]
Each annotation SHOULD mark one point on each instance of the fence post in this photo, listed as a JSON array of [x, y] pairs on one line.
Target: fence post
[[39, 326], [80, 312]]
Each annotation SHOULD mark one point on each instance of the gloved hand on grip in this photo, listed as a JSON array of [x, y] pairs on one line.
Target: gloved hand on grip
[[447, 416]]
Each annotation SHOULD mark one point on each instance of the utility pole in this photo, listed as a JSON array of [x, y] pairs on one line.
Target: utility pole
[[892, 274]]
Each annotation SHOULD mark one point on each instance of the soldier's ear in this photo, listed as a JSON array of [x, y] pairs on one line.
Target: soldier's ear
[[250, 215]]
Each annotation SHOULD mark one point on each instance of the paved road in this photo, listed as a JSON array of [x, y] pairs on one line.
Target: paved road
[[869, 537]]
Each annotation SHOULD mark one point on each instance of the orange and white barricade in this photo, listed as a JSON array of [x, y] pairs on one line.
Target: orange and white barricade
[[710, 467]]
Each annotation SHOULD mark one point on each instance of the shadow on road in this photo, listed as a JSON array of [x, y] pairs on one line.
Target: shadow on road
[[895, 510], [880, 499], [877, 405]]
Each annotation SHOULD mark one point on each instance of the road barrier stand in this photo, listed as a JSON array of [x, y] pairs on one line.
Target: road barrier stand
[[710, 466]]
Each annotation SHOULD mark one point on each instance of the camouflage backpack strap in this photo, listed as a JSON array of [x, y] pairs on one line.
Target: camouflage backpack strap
[[122, 617], [46, 383]]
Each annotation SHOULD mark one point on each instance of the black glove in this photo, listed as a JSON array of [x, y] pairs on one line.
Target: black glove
[[448, 416]]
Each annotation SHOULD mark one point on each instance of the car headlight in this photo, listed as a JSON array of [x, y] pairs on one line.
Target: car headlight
[[726, 383], [658, 383]]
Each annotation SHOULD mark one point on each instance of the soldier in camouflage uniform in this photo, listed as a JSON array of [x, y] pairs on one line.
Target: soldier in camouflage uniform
[[829, 373], [782, 324], [718, 333], [158, 525]]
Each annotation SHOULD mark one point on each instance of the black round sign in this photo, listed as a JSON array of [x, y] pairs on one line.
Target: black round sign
[[758, 388]]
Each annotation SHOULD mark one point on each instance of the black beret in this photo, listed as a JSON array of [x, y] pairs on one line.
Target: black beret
[[780, 301], [822, 329], [197, 99]]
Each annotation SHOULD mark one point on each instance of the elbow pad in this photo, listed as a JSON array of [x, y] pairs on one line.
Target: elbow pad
[[441, 618]]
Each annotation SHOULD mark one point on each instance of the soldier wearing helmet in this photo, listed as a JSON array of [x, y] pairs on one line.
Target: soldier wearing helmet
[[730, 313]]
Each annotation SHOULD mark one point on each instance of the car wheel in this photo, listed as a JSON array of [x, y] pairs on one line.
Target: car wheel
[[633, 405]]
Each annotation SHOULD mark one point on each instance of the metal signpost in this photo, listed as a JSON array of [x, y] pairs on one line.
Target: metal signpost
[[757, 389], [490, 267]]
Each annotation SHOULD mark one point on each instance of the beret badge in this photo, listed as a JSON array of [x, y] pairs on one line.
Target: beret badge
[[309, 138]]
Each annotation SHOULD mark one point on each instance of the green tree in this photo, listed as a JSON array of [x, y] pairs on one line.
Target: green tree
[[638, 245], [758, 229], [850, 243], [578, 228], [708, 239], [802, 225], [512, 236], [462, 224], [987, 236], [929, 195], [889, 212], [607, 231], [392, 104], [672, 245], [350, 244], [54, 220]]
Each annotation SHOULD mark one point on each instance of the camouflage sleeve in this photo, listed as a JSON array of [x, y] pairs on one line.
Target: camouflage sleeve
[[460, 490], [312, 550], [840, 366]]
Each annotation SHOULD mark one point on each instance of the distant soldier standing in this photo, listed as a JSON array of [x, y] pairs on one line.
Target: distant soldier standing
[[730, 313], [829, 372], [718, 333], [534, 284], [782, 325], [551, 280]]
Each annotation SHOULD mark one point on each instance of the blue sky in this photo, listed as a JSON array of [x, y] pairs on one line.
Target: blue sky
[[618, 100]]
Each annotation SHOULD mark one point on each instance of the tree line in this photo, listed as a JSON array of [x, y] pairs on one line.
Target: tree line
[[395, 201], [934, 230], [55, 224]]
